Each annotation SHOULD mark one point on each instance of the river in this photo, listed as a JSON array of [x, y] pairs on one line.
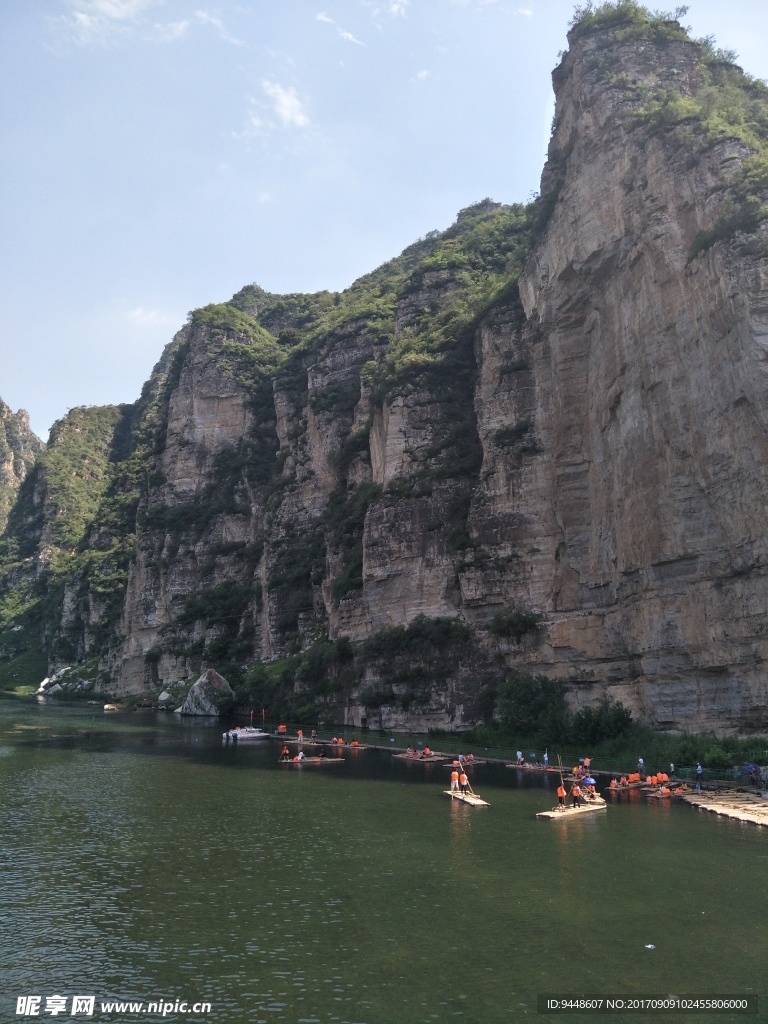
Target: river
[[145, 862]]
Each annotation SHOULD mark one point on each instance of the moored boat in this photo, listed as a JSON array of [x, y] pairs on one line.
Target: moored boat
[[243, 733]]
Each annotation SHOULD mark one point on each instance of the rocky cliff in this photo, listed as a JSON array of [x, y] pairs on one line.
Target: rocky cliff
[[534, 441], [19, 448]]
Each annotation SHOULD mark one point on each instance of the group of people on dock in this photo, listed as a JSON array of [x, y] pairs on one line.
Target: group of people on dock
[[534, 761], [660, 782]]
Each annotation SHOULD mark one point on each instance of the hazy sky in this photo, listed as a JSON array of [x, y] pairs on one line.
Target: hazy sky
[[157, 155]]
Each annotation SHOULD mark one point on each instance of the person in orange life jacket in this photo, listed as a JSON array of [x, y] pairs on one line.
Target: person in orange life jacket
[[454, 781], [576, 794], [285, 754], [464, 783], [561, 795]]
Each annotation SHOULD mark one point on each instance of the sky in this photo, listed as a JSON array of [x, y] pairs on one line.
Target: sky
[[158, 155]]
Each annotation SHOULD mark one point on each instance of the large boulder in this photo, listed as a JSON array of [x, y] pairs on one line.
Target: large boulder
[[207, 696]]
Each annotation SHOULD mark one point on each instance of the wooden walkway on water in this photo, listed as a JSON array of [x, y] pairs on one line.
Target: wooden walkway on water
[[736, 804]]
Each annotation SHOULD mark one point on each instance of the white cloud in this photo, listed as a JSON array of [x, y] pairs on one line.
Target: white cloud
[[322, 16], [394, 8], [422, 75], [97, 21], [171, 30], [526, 12], [286, 104], [349, 38], [141, 317], [218, 24]]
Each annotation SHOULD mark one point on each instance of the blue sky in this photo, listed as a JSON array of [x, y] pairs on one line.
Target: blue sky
[[157, 155]]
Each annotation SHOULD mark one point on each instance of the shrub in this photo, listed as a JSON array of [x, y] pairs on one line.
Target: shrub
[[603, 721], [533, 706], [514, 623]]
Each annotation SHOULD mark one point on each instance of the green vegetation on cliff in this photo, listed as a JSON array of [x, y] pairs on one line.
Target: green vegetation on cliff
[[719, 103], [44, 544], [19, 448]]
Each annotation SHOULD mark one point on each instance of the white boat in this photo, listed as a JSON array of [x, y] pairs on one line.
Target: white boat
[[242, 733]]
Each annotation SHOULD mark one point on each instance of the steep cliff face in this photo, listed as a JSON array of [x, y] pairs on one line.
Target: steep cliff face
[[651, 400], [535, 441], [19, 448]]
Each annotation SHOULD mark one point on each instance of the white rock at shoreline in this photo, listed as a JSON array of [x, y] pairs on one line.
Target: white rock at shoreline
[[207, 695]]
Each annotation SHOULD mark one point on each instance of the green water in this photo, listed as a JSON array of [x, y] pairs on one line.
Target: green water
[[142, 860]]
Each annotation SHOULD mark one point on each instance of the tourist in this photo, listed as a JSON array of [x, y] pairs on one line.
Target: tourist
[[640, 765], [699, 772], [576, 794], [561, 797], [546, 759], [454, 781], [464, 783], [519, 757]]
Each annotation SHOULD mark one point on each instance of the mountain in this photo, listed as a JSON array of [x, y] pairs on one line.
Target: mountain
[[534, 443]]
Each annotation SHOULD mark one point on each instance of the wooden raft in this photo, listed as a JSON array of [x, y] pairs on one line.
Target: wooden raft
[[573, 812], [312, 760], [466, 798]]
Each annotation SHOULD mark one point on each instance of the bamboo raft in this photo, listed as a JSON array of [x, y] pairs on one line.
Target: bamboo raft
[[574, 811], [466, 798], [746, 807], [465, 764], [418, 759], [312, 760]]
